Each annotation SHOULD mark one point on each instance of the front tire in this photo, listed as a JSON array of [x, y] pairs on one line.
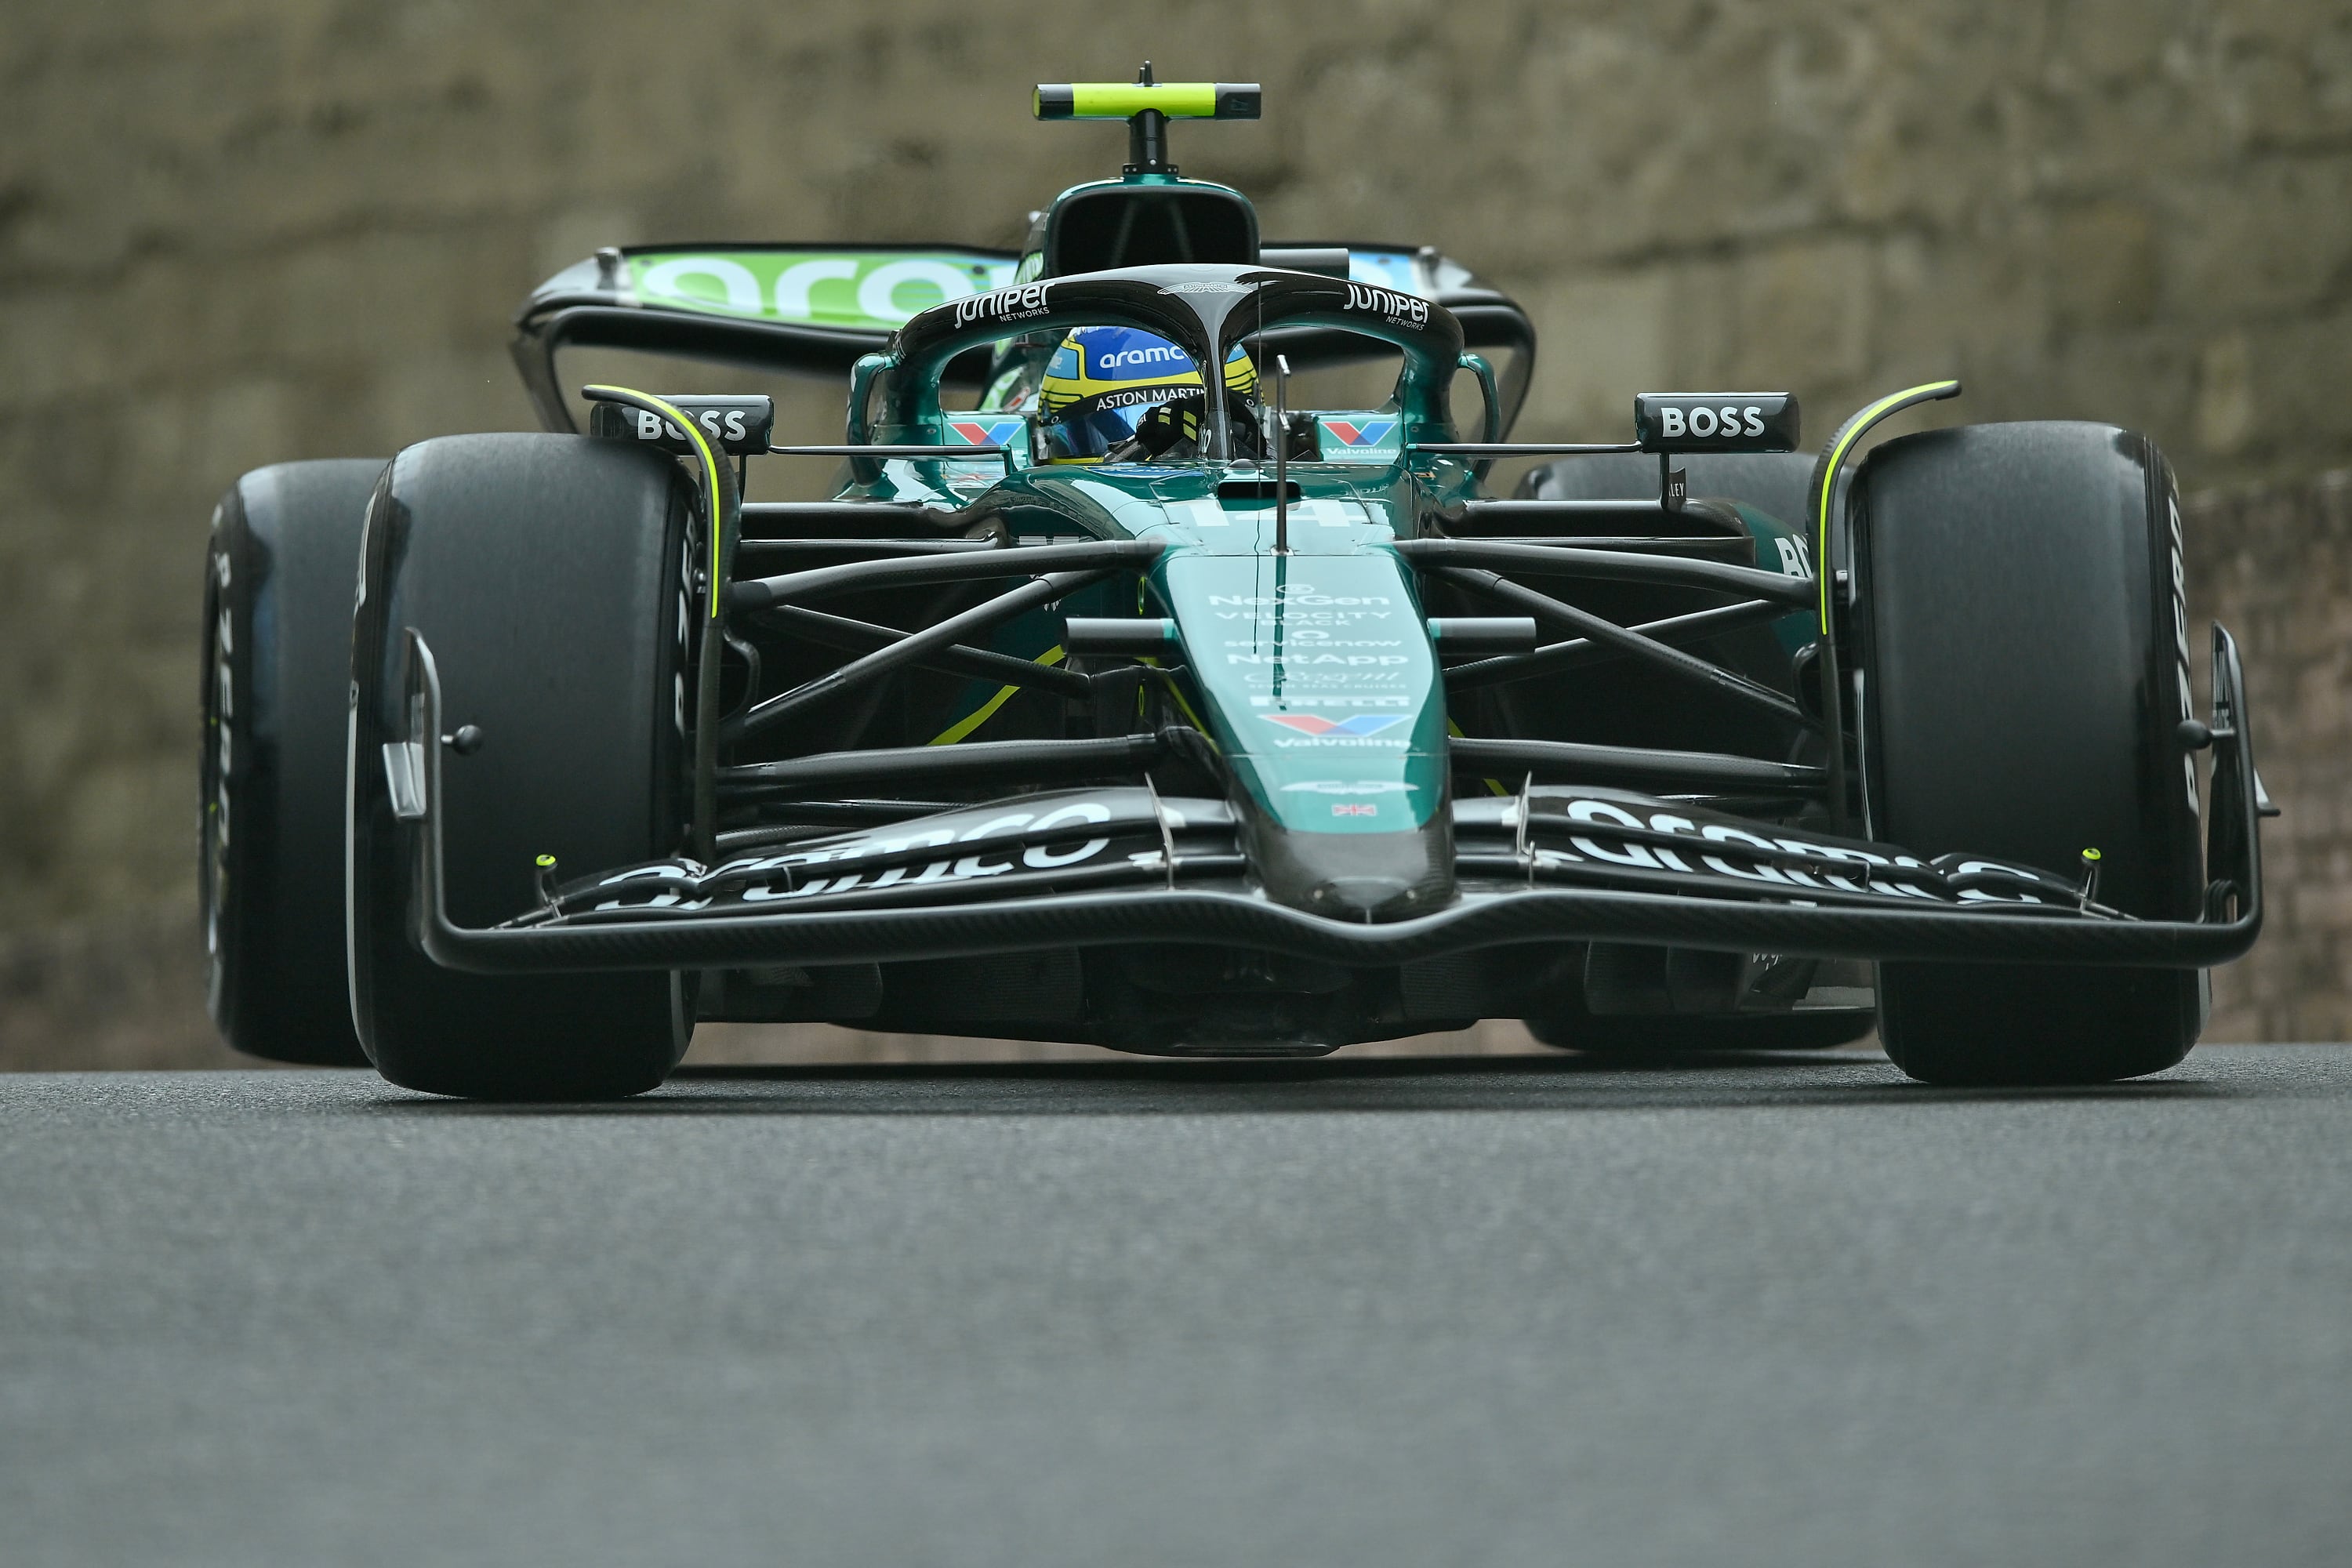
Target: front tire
[[2022, 643], [278, 573], [545, 574]]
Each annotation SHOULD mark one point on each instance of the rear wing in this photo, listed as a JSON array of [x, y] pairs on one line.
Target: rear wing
[[813, 309], [798, 310]]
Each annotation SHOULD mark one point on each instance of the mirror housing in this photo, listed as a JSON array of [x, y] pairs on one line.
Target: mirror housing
[[1715, 421]]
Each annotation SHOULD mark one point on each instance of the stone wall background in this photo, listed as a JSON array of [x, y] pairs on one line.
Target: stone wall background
[[2273, 564], [238, 231]]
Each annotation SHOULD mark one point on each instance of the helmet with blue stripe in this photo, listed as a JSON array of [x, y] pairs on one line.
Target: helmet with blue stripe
[[1102, 382]]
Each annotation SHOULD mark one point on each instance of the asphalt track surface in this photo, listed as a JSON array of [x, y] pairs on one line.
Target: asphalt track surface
[[1353, 1312]]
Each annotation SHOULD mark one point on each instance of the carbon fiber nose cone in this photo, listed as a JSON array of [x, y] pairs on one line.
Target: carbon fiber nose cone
[[1363, 898], [1358, 878]]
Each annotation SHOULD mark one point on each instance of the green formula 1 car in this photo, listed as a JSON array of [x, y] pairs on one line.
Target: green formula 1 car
[[1125, 693]]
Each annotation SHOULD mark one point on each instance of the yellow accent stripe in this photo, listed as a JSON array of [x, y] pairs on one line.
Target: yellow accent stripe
[[1120, 99], [676, 417], [973, 720], [1494, 785], [1169, 680], [1925, 392]]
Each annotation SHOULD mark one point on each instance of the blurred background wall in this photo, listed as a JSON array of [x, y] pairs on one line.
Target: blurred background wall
[[238, 231]]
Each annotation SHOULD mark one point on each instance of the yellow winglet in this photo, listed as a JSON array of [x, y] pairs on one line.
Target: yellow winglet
[[676, 417], [1834, 458]]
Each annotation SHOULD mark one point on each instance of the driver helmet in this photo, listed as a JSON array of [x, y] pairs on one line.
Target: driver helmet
[[1103, 382]]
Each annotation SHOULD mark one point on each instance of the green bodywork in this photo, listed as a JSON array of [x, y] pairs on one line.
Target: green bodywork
[[1331, 632]]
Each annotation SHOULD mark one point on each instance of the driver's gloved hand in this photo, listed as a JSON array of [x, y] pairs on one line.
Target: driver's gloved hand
[[1246, 426], [1304, 442], [1168, 424], [1161, 430]]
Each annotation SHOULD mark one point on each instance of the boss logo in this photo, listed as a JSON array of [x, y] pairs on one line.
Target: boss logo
[[727, 427], [1715, 422], [1703, 422], [738, 426]]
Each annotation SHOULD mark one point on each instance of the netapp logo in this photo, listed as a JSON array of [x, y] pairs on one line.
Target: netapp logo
[[1388, 302]]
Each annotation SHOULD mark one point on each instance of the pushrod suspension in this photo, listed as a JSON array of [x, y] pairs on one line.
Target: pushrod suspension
[[1747, 581], [760, 515], [1705, 546], [864, 637], [1029, 761], [1577, 761], [1579, 652], [795, 549], [915, 645], [1600, 629], [857, 577], [1473, 516]]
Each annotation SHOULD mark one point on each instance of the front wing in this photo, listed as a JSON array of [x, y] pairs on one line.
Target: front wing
[[1108, 867]]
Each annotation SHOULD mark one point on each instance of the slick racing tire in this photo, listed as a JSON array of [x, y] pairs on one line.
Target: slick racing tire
[[1774, 483], [2021, 629], [278, 573], [547, 575]]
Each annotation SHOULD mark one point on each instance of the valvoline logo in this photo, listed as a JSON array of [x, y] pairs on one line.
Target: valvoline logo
[[1361, 432], [987, 432], [1316, 724]]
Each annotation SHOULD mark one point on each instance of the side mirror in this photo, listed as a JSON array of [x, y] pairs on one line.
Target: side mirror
[[738, 426], [862, 377], [1476, 365]]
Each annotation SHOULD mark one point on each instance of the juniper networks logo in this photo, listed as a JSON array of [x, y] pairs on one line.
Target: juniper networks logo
[[1358, 727]]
